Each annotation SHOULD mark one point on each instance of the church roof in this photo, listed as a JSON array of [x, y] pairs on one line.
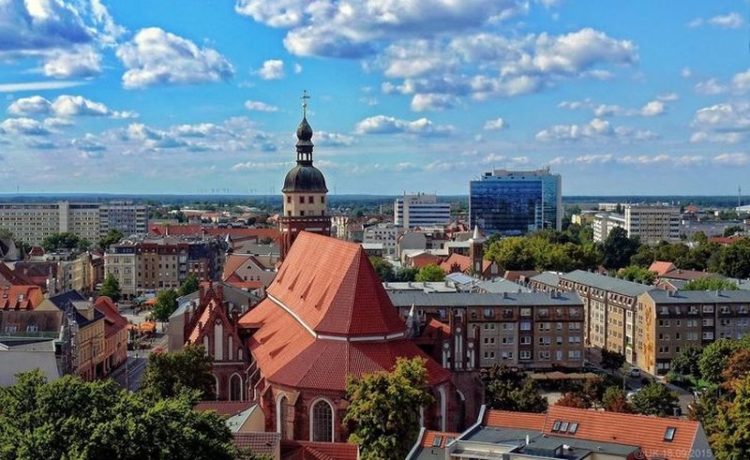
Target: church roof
[[304, 178], [327, 316]]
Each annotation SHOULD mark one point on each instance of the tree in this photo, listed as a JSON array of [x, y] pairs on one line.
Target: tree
[[382, 268], [64, 240], [190, 285], [733, 230], [430, 272], [113, 236], [383, 412], [686, 362], [700, 238], [111, 288], [714, 358], [655, 399], [406, 274], [508, 389], [731, 438], [737, 367], [512, 254], [73, 419], [734, 260], [710, 284], [615, 400], [637, 274], [574, 399], [612, 360], [618, 249], [186, 371], [166, 304]]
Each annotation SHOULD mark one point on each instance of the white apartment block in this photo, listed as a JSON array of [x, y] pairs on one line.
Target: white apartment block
[[653, 224], [387, 235], [650, 223], [420, 210], [32, 222]]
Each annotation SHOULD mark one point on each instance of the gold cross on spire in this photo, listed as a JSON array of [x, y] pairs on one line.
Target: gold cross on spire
[[304, 98]]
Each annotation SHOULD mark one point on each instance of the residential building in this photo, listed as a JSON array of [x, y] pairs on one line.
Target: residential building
[[120, 262], [326, 318], [304, 193], [125, 216], [653, 223], [420, 210], [115, 334], [670, 321], [386, 234], [610, 311], [516, 202], [248, 271], [471, 330], [25, 354], [567, 433], [604, 222]]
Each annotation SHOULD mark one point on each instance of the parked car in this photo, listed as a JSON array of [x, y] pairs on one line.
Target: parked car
[[635, 373]]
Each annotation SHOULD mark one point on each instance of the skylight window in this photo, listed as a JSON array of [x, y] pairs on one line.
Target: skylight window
[[564, 426], [669, 433], [573, 428], [556, 425], [437, 441]]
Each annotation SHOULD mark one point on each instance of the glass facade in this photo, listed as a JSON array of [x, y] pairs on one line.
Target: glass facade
[[516, 202]]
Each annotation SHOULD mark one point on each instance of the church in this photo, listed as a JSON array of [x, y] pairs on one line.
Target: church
[[325, 316]]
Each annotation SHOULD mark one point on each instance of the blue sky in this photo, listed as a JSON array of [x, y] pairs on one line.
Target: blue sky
[[189, 96]]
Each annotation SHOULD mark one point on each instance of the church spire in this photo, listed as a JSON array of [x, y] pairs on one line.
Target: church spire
[[304, 135]]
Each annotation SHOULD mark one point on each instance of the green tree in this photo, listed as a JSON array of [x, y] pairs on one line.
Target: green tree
[[73, 419], [686, 362], [612, 360], [734, 260], [714, 358], [166, 304], [512, 254], [574, 399], [406, 274], [186, 371], [430, 272], [731, 437], [637, 274], [700, 238], [733, 230], [509, 389], [710, 284], [64, 240], [383, 412], [615, 400], [382, 268], [111, 288], [190, 285], [113, 236], [655, 399], [618, 249]]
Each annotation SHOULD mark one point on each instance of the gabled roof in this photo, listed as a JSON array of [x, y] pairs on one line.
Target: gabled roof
[[114, 322], [462, 262], [645, 431], [661, 267], [306, 450], [16, 297], [258, 442], [607, 283], [331, 287]]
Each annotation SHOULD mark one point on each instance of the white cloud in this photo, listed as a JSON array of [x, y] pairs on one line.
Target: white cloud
[[727, 122], [650, 109], [732, 159], [324, 138], [653, 108], [297, 68], [725, 21], [596, 129], [81, 62], [421, 102], [382, 124], [23, 127], [260, 166], [38, 86], [64, 106], [156, 57], [258, 106], [710, 87], [273, 69], [495, 124], [668, 97], [686, 72], [88, 143]]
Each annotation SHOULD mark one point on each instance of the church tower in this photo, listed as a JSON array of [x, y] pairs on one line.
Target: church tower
[[304, 192]]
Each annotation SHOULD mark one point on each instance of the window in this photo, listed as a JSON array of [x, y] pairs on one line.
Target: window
[[556, 425], [323, 199], [564, 426], [235, 388], [437, 441], [573, 428], [302, 199], [322, 418], [669, 433], [310, 199], [288, 199]]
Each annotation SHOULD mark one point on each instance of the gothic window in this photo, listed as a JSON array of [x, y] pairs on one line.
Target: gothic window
[[235, 388], [322, 421], [283, 418]]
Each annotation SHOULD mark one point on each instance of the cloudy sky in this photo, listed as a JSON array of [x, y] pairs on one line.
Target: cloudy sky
[[191, 96]]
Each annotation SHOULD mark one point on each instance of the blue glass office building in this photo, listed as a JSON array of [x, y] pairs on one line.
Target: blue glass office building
[[516, 202]]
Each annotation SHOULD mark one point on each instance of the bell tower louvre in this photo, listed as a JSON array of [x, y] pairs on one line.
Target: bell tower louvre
[[304, 192]]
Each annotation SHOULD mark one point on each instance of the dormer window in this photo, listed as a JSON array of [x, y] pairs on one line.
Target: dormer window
[[669, 433]]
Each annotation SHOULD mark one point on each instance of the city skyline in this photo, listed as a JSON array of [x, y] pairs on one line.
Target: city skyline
[[185, 97]]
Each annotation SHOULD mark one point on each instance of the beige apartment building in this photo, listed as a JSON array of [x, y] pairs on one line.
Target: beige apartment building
[[670, 321], [650, 223], [469, 330]]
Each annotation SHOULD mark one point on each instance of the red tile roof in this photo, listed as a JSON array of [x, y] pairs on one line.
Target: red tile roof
[[508, 419], [326, 291], [306, 450], [258, 442], [429, 438], [227, 408], [114, 322], [9, 277], [420, 260], [661, 267], [644, 431], [20, 297], [193, 229], [459, 262]]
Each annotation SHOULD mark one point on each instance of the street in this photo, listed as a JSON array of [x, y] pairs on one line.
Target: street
[[130, 374]]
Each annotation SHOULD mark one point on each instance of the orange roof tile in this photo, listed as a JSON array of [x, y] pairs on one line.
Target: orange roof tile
[[508, 419], [226, 408], [17, 297], [114, 322], [661, 267], [306, 450], [429, 438]]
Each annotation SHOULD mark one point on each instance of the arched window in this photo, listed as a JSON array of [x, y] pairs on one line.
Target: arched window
[[215, 389], [235, 388], [322, 421], [282, 417]]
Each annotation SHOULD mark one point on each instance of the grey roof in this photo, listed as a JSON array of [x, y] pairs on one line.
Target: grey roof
[[500, 285], [607, 283], [468, 299], [679, 297], [461, 278], [548, 278], [232, 294]]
